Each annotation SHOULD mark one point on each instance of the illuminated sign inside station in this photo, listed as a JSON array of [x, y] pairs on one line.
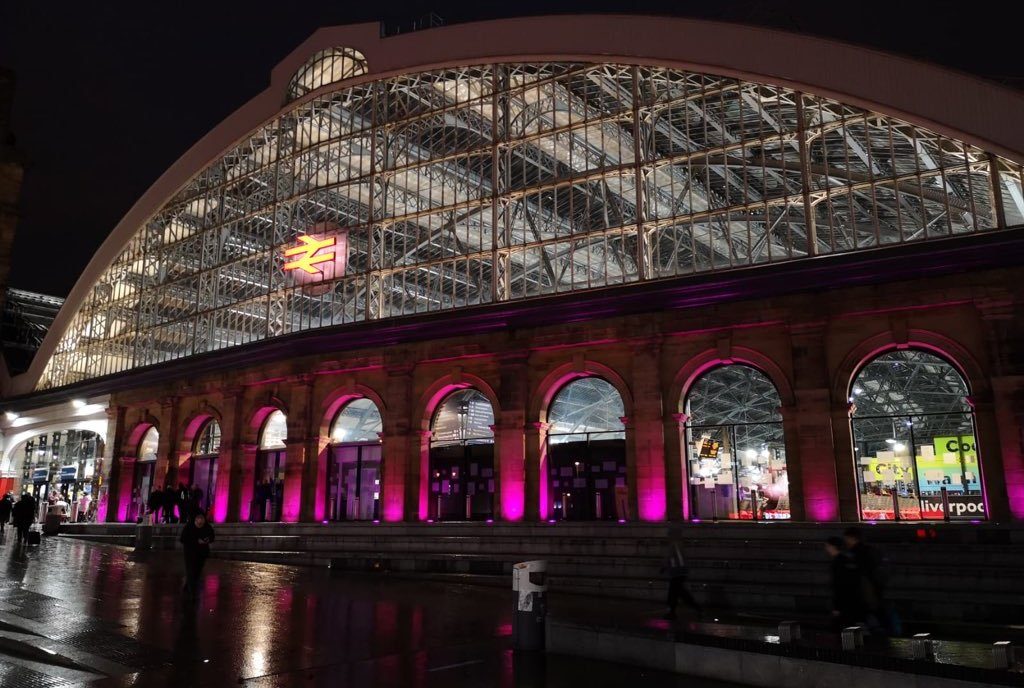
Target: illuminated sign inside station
[[317, 257]]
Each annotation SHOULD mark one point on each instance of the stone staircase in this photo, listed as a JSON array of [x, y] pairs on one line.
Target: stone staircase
[[940, 573]]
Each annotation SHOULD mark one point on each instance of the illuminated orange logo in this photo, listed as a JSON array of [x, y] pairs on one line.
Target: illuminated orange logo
[[309, 249]]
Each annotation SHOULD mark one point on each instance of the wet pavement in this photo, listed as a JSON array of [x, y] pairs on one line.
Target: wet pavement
[[73, 613]]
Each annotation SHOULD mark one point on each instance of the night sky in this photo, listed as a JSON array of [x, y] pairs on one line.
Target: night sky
[[109, 96]]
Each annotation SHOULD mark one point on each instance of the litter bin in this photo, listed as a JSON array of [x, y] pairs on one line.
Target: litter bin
[[529, 581]]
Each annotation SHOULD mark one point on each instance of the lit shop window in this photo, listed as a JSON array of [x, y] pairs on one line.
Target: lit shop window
[[735, 447], [914, 440]]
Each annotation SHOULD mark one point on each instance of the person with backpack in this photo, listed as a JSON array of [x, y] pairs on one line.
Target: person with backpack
[[6, 506]]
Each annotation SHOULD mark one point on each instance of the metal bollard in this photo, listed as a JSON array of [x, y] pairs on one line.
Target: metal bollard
[[853, 637], [1003, 655], [789, 631], [923, 647]]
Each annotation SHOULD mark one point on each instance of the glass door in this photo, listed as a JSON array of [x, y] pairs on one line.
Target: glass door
[[268, 491], [587, 477], [204, 476], [353, 482], [462, 482]]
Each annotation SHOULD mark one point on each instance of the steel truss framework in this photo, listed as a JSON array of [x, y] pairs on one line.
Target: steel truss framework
[[489, 183], [736, 395]]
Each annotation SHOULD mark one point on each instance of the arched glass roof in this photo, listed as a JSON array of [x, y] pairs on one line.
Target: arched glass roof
[[149, 444], [488, 183], [731, 394], [324, 68]]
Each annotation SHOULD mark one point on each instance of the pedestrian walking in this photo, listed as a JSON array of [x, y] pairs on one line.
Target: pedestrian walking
[[24, 513], [196, 537], [196, 499], [873, 570], [847, 596], [155, 504], [170, 501], [6, 506], [677, 572]]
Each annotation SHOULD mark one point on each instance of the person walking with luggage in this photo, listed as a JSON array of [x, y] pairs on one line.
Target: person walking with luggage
[[196, 537], [24, 513], [675, 568], [6, 506]]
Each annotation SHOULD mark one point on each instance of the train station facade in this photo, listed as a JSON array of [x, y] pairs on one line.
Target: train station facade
[[566, 268]]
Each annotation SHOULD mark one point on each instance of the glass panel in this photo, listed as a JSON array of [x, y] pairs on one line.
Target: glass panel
[[430, 198], [268, 491], [914, 440], [463, 416], [737, 466], [208, 441], [586, 405], [275, 431], [358, 421], [149, 444]]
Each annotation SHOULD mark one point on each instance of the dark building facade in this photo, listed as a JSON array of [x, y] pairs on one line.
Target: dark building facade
[[583, 268]]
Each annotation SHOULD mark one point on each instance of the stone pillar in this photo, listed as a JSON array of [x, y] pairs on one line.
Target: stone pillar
[[243, 480], [677, 487], [509, 437], [811, 454], [1002, 473], [300, 470], [536, 471], [115, 507], [230, 429], [417, 479], [509, 467], [123, 488], [645, 441], [394, 450], [166, 470]]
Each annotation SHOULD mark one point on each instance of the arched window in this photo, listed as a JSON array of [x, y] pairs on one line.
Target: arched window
[[268, 489], [914, 440], [202, 465], [586, 457], [353, 472], [735, 446], [142, 480], [462, 458], [148, 445]]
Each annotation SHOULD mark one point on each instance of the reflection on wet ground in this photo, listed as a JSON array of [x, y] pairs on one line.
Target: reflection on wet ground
[[105, 611]]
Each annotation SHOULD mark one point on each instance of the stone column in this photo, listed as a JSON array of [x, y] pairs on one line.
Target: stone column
[[300, 471], [243, 481], [417, 479], [811, 454], [116, 505], [166, 470], [225, 502], [394, 450], [647, 445], [677, 492], [1002, 473], [509, 467], [536, 471], [509, 438], [846, 466]]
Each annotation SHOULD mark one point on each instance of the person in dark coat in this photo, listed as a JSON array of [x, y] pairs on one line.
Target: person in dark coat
[[196, 498], [874, 579], [6, 506], [675, 568], [24, 513], [847, 598], [170, 501], [196, 537], [155, 504]]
